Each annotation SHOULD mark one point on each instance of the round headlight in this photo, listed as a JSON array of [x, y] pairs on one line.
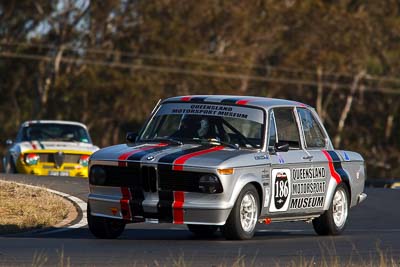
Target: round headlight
[[32, 159], [210, 184], [97, 175], [84, 160]]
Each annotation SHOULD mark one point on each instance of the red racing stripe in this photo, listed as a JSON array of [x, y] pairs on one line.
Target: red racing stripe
[[177, 206], [186, 98], [334, 173], [178, 163], [242, 102], [33, 146], [123, 157], [125, 209]]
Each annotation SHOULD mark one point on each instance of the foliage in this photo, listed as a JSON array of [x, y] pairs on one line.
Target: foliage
[[106, 63]]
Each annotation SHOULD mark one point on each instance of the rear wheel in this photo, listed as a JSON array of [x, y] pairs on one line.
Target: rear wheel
[[333, 220], [202, 230], [242, 220], [104, 228]]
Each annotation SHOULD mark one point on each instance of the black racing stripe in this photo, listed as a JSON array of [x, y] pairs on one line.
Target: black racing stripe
[[230, 100], [231, 154], [197, 99], [337, 164], [333, 155], [140, 154], [164, 207], [339, 169], [170, 158], [137, 201]]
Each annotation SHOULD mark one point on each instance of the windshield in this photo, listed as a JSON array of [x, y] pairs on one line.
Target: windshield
[[55, 132], [186, 122]]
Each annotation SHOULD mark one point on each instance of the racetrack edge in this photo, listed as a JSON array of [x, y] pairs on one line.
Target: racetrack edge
[[66, 224]]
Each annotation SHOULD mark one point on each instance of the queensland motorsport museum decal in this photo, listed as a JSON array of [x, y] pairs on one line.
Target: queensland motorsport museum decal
[[306, 182], [213, 110], [301, 188]]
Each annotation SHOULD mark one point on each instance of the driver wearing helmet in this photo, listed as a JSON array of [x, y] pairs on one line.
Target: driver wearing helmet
[[188, 127], [204, 130], [193, 126]]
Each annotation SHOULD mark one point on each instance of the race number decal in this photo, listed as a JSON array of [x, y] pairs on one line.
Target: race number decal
[[281, 190]]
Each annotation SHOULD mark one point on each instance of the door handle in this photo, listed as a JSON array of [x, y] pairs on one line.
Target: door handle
[[308, 157]]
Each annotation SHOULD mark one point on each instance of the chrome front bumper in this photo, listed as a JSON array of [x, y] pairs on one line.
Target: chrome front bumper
[[191, 208], [361, 197]]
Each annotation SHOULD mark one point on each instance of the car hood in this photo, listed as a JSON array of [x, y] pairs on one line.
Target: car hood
[[193, 155], [55, 145]]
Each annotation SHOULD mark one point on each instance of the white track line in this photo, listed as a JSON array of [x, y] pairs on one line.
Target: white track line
[[77, 201]]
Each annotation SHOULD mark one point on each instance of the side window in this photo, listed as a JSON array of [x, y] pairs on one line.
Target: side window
[[311, 128], [286, 126], [271, 130]]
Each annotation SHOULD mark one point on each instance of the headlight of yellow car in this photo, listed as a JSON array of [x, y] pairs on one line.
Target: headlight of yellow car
[[32, 159], [84, 160]]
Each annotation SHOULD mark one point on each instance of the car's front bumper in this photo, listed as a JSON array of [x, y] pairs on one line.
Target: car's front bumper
[[180, 208], [361, 197], [49, 169]]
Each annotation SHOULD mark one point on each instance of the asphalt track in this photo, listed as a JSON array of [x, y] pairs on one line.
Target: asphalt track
[[373, 229]]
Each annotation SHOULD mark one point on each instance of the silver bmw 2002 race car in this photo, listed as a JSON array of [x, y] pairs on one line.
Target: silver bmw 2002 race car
[[225, 162]]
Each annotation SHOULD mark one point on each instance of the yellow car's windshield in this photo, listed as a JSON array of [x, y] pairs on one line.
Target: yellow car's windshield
[[55, 132]]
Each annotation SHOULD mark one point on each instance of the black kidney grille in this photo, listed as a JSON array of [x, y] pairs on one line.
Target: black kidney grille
[[179, 180], [44, 157], [68, 158], [149, 178], [118, 176], [144, 177], [72, 158]]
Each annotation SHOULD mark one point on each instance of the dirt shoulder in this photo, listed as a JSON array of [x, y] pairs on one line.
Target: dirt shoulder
[[24, 208]]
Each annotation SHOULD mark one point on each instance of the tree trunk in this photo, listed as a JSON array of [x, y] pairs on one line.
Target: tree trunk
[[347, 107]]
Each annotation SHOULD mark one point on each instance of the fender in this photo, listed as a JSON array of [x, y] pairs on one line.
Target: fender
[[329, 193], [331, 189], [243, 180]]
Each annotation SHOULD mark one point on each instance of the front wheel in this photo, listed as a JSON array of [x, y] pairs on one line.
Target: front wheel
[[10, 166], [242, 220], [333, 220], [104, 228]]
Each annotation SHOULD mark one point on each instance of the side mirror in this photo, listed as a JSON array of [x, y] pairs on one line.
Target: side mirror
[[9, 142], [131, 137], [282, 146]]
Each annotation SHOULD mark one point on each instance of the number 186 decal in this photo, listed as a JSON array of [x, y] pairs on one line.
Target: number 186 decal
[[281, 190]]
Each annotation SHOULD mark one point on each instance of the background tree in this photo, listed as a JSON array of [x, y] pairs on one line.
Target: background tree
[[106, 63]]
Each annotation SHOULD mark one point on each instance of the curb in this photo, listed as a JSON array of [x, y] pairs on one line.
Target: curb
[[77, 203]]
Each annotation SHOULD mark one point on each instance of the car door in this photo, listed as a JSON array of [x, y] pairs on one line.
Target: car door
[[285, 163], [314, 187]]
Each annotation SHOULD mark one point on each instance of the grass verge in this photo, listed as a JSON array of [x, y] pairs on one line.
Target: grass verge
[[23, 208]]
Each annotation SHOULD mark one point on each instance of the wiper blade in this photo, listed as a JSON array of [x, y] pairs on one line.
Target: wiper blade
[[219, 142], [171, 140]]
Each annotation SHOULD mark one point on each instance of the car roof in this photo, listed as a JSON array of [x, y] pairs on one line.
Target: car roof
[[28, 123], [263, 102]]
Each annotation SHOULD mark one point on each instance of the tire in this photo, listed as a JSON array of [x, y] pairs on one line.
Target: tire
[[104, 228], [333, 221], [237, 227], [202, 230], [10, 166]]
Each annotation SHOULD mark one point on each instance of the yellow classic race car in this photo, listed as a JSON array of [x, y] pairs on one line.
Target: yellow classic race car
[[45, 147]]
